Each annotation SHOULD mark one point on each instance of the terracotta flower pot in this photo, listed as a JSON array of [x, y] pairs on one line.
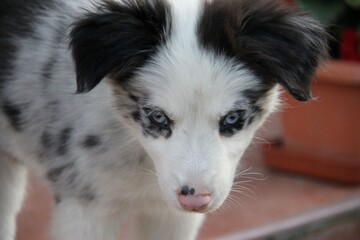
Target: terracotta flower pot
[[322, 138]]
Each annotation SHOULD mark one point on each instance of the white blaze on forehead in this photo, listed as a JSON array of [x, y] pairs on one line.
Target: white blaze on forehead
[[184, 77], [199, 84]]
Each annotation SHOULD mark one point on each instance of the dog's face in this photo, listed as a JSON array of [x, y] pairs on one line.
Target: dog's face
[[193, 80], [195, 118]]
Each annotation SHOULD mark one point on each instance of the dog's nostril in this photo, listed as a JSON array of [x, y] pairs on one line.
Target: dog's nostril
[[185, 190]]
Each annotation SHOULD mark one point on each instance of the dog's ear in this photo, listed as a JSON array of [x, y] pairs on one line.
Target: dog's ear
[[284, 45], [277, 43], [117, 38]]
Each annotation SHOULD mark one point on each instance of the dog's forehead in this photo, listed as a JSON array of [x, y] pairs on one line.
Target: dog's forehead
[[196, 81], [184, 75]]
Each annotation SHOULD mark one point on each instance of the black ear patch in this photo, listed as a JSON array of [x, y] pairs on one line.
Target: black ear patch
[[277, 43], [117, 39]]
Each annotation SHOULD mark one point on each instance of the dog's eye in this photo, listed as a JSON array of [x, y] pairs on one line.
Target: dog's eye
[[159, 118], [232, 122], [231, 118]]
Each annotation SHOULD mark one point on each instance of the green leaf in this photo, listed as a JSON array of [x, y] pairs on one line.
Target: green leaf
[[353, 3], [324, 10]]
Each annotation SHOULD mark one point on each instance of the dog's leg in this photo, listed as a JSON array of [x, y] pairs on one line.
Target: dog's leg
[[12, 191], [174, 225], [78, 220]]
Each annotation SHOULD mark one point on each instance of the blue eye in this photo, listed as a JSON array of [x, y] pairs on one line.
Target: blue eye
[[231, 118], [159, 118], [232, 123]]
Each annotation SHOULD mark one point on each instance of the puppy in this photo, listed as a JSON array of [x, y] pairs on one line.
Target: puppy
[[140, 109]]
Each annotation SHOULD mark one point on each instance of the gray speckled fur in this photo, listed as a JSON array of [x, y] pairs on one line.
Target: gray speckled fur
[[54, 121]]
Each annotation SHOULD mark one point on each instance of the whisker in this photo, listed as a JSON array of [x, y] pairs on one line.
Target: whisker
[[246, 174], [241, 188], [261, 140], [245, 184], [244, 193], [233, 200], [241, 185]]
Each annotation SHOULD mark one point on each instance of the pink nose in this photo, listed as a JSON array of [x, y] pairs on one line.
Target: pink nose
[[194, 203]]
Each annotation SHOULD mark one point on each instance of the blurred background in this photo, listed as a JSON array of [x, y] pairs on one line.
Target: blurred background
[[300, 179]]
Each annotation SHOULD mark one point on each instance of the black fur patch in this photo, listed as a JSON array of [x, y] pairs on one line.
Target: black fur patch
[[54, 174], [63, 143], [91, 141], [134, 98], [13, 112], [278, 44], [87, 193], [48, 68], [117, 40], [136, 115], [47, 140]]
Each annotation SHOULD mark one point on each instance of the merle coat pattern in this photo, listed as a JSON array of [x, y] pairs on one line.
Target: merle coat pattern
[[140, 109]]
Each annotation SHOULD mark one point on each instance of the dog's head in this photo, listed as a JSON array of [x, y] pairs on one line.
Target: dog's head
[[194, 79]]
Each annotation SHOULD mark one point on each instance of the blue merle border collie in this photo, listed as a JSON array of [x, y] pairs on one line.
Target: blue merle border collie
[[141, 109]]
